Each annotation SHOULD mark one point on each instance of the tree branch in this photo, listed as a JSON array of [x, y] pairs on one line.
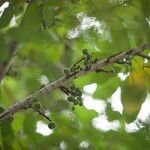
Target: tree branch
[[4, 66], [27, 101]]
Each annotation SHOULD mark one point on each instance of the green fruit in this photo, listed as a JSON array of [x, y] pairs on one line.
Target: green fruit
[[73, 69], [78, 92], [129, 63], [85, 51], [85, 62], [36, 106], [2, 109], [113, 70], [127, 58], [51, 125], [89, 57], [34, 101], [72, 87], [76, 102], [73, 108], [67, 71], [78, 68], [70, 98]]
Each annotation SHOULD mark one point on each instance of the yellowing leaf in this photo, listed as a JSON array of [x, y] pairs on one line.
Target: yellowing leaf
[[133, 92]]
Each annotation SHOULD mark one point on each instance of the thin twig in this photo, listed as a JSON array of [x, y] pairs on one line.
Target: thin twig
[[4, 66], [79, 61], [42, 114]]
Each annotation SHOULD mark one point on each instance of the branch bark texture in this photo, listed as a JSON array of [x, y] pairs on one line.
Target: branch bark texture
[[26, 102], [4, 66]]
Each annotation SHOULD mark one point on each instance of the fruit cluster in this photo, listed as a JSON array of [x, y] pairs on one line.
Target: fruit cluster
[[68, 71], [36, 106], [88, 60], [74, 95]]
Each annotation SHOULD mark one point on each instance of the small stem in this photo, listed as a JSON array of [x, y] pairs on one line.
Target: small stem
[[80, 61], [5, 66], [42, 114], [77, 63]]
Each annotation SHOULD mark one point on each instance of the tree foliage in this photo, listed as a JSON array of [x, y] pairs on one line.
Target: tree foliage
[[44, 40]]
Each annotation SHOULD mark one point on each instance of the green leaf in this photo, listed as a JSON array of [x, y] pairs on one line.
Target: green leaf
[[7, 135], [106, 89], [111, 114], [48, 16], [6, 16], [30, 24]]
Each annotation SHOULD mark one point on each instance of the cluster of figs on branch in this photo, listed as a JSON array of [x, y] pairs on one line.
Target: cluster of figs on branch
[[87, 60], [74, 95]]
